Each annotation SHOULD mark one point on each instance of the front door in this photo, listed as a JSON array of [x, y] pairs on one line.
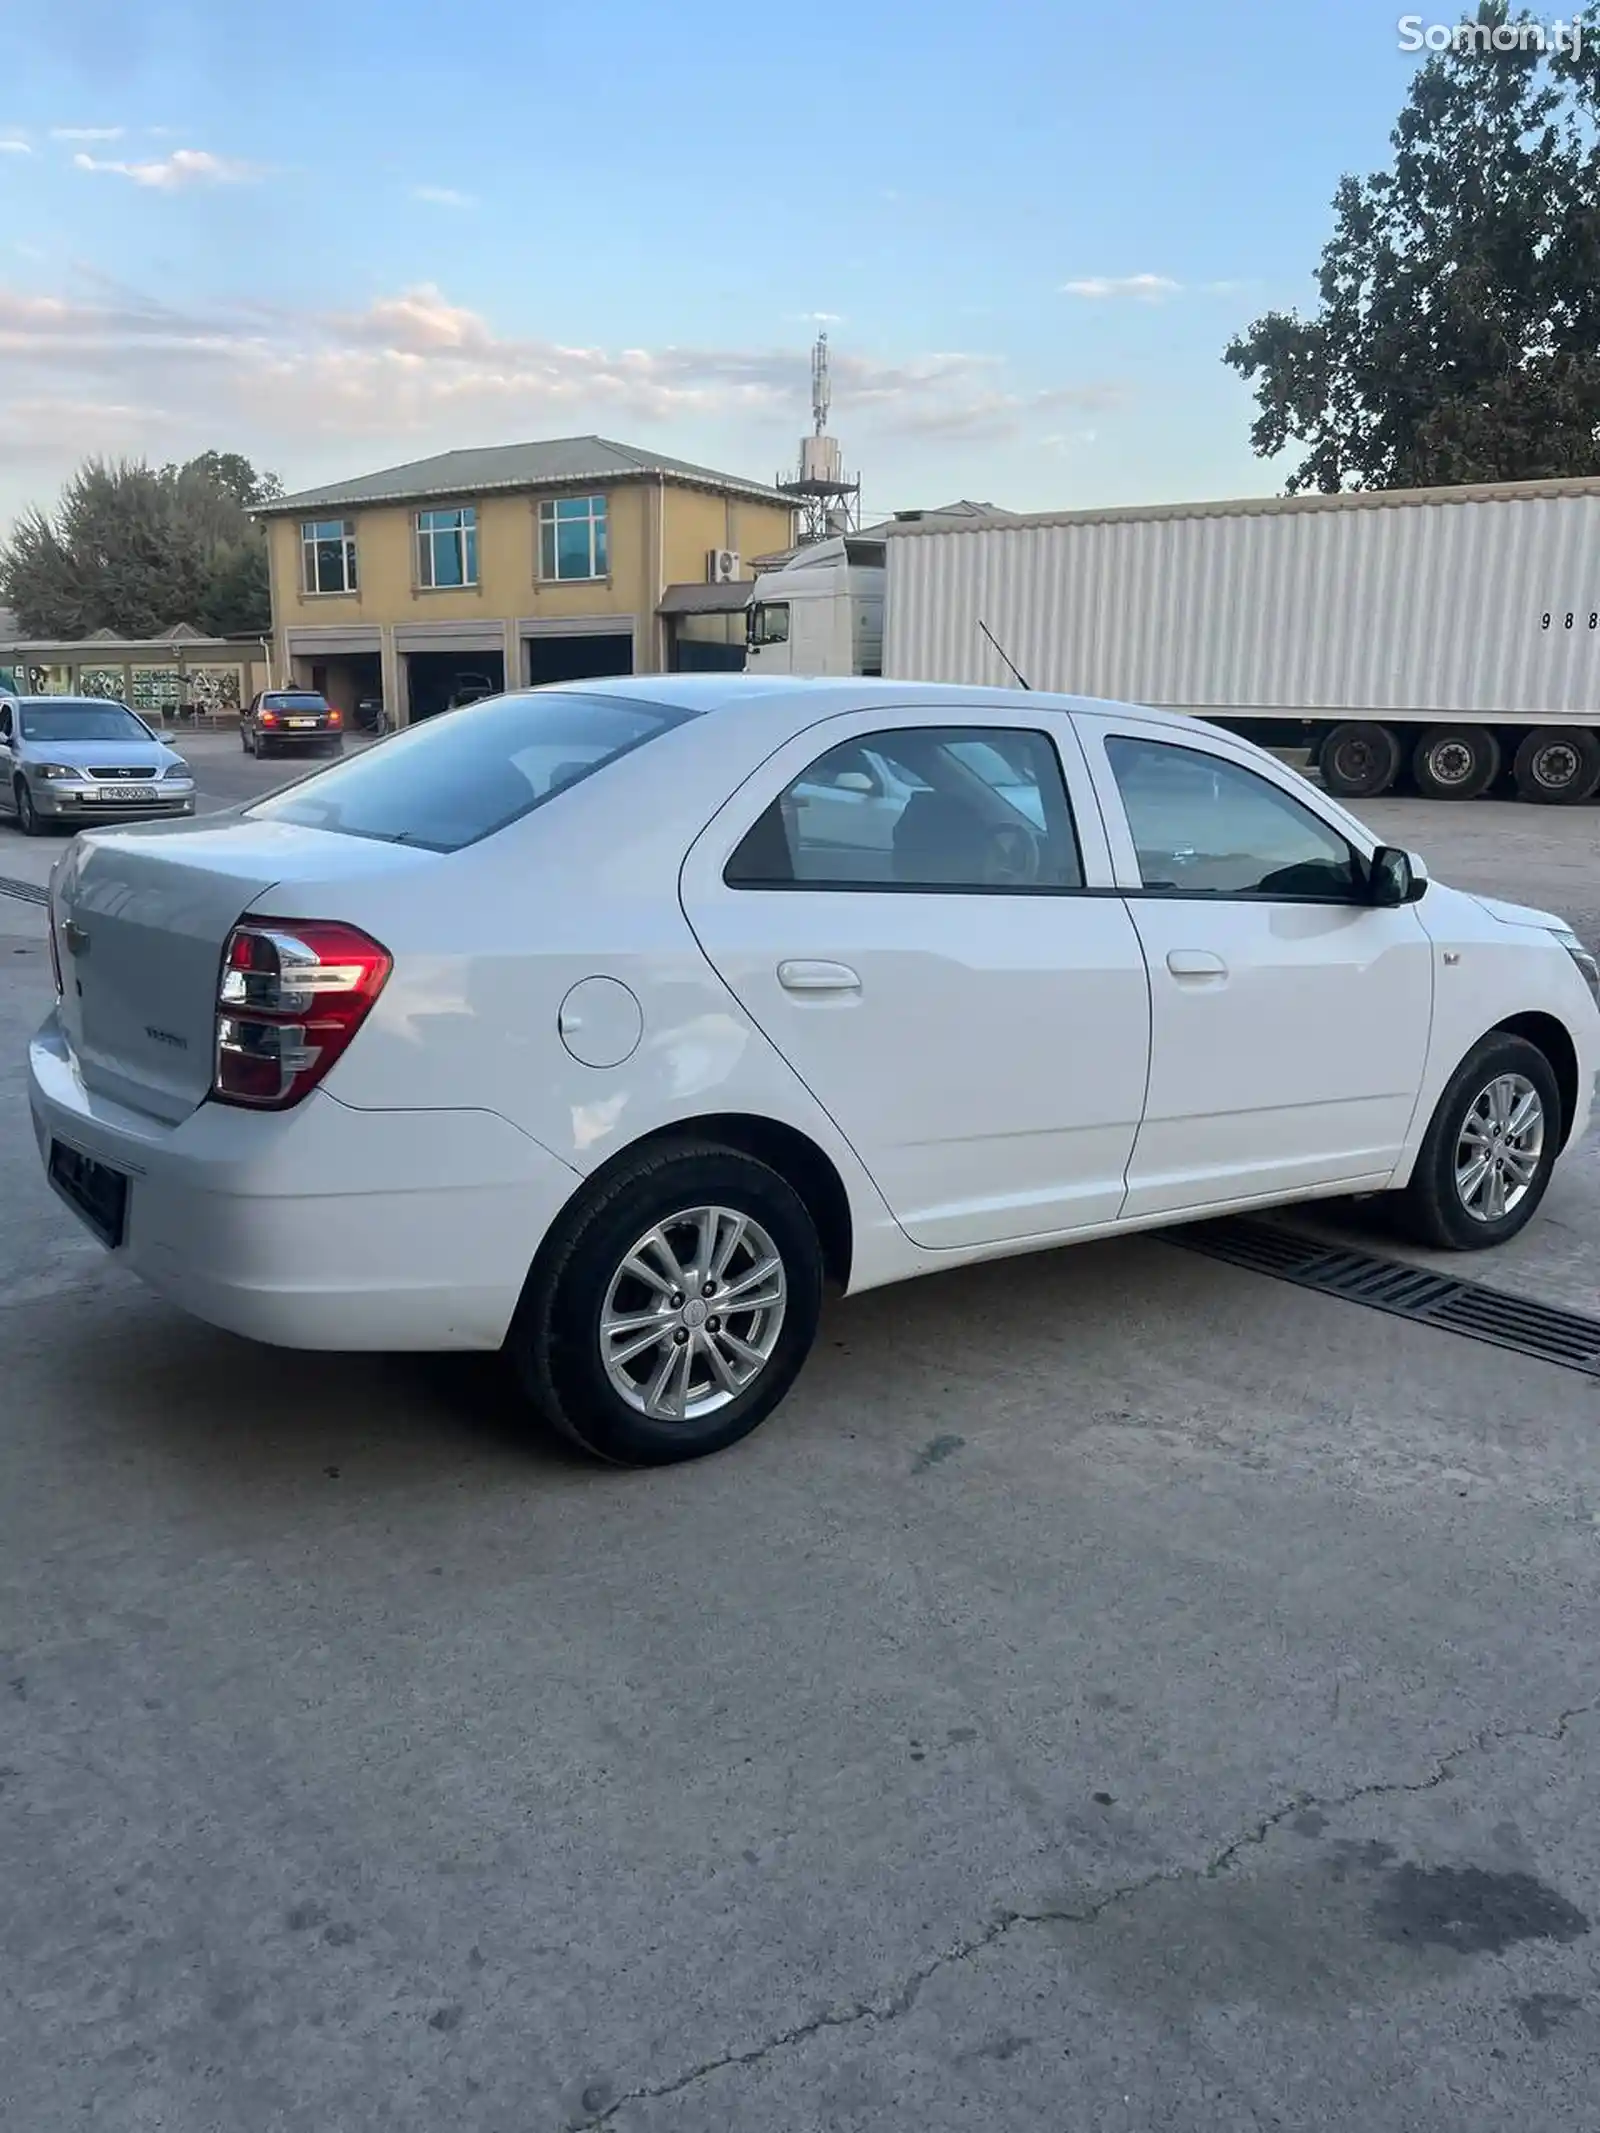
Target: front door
[[1290, 1017], [905, 921]]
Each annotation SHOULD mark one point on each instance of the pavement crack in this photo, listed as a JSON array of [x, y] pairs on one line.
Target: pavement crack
[[1487, 1737], [891, 2006]]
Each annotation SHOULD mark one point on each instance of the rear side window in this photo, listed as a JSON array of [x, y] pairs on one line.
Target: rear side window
[[932, 808], [451, 781]]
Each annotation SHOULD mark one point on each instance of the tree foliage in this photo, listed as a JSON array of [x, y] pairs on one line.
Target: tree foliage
[[1457, 333], [136, 550]]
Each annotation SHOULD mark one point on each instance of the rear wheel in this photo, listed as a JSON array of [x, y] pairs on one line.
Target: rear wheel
[[1558, 764], [1456, 762], [1359, 760], [675, 1309], [1489, 1150], [27, 814]]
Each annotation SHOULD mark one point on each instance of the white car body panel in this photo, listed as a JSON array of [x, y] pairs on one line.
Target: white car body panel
[[1288, 1038], [1035, 1010], [987, 1085]]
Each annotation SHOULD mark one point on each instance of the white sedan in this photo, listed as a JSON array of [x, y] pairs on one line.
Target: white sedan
[[581, 1024]]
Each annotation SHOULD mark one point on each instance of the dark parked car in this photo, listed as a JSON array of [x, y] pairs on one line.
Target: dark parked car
[[279, 721]]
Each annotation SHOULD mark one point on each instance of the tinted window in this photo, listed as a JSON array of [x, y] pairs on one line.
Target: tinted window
[[449, 782], [933, 808], [86, 721], [1205, 827], [294, 700]]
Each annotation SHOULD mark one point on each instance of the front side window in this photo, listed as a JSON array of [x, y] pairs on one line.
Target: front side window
[[573, 539], [328, 555], [447, 547], [1205, 827], [769, 622], [448, 782], [936, 808]]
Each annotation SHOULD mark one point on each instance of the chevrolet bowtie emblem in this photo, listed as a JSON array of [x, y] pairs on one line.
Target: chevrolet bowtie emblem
[[75, 937]]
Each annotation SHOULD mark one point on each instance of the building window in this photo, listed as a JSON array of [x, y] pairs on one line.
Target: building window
[[447, 547], [572, 537], [328, 555]]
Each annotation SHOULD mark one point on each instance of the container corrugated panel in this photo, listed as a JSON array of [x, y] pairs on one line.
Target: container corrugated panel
[[1427, 608]]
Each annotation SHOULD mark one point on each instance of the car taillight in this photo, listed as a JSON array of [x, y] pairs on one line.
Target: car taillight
[[293, 993], [266, 718], [335, 718]]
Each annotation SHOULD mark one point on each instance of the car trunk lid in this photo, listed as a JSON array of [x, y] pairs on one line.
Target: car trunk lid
[[141, 919]]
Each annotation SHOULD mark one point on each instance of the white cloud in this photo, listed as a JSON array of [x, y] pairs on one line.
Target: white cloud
[[87, 133], [13, 147], [1144, 288], [413, 372], [820, 318], [442, 196], [185, 166]]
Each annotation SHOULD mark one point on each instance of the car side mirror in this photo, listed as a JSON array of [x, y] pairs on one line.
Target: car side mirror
[[1394, 878]]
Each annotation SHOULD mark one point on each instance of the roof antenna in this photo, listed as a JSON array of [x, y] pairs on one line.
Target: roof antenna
[[994, 640]]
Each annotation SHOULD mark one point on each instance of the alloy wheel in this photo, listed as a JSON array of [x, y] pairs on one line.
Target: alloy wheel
[[1499, 1148], [692, 1315]]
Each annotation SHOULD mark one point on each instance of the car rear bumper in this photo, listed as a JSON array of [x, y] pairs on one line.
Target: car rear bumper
[[322, 1227]]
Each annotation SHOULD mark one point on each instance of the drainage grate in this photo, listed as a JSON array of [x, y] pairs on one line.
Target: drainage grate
[[29, 891], [1407, 1291]]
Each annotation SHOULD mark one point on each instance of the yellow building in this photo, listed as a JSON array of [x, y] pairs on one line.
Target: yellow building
[[480, 570]]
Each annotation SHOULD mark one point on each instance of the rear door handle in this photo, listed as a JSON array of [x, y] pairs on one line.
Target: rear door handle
[[818, 977], [1195, 963]]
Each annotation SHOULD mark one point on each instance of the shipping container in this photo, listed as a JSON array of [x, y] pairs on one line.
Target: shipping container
[[1446, 636]]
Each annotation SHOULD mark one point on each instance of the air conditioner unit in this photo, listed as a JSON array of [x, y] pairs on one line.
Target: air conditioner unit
[[722, 566]]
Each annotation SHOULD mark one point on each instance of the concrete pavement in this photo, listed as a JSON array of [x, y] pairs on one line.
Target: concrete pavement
[[1115, 1692]]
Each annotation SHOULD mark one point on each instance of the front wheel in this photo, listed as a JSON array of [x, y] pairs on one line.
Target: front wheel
[[1489, 1150], [27, 814], [675, 1309]]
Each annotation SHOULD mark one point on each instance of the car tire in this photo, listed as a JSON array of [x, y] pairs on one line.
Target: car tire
[[27, 814], [1436, 1208], [596, 1392], [1359, 760], [1559, 765], [1456, 762]]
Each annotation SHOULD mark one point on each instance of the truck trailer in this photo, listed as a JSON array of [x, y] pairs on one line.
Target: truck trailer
[[1448, 639]]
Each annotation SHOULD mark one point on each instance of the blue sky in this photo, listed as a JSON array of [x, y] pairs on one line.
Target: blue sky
[[335, 237]]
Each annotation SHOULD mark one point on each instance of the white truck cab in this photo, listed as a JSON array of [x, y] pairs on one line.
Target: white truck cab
[[820, 611]]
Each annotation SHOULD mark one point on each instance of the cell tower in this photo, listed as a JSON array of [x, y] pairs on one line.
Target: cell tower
[[829, 499]]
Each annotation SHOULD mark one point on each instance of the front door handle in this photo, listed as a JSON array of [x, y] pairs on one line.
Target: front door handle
[[806, 977], [1195, 963]]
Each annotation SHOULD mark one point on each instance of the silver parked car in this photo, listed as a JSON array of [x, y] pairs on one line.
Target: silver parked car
[[82, 759]]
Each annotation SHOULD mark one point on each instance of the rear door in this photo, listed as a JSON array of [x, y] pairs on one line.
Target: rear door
[[1290, 1017], [948, 985]]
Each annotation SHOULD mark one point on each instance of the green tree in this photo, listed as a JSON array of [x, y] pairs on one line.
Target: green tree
[[238, 600], [135, 550], [1457, 332]]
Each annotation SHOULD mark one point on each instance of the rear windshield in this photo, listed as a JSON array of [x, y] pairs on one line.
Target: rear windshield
[[294, 700], [452, 780], [84, 721]]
